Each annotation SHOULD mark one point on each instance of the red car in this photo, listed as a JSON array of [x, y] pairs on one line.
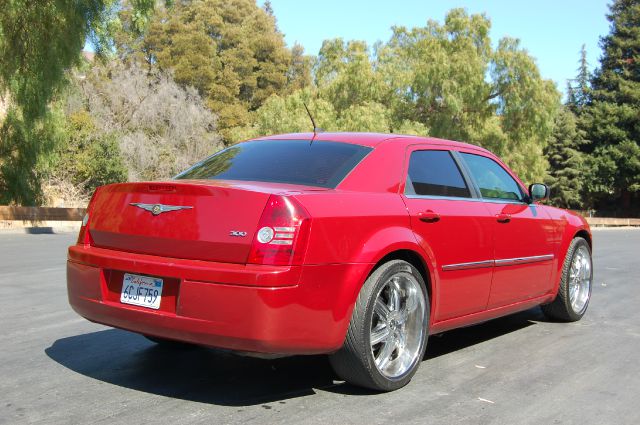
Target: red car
[[355, 245]]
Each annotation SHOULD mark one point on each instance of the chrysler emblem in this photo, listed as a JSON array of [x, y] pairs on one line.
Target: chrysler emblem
[[157, 209]]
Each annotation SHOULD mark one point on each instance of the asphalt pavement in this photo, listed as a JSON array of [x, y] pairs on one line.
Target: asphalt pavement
[[56, 367]]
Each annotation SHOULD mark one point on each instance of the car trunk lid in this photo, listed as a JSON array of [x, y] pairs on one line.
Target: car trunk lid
[[201, 220]]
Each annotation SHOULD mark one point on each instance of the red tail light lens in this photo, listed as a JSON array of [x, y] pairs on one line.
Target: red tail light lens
[[283, 231], [84, 238]]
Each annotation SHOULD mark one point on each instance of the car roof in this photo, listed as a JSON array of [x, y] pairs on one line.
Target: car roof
[[371, 139]]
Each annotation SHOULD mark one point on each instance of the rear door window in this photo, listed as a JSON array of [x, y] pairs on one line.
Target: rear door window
[[322, 164], [493, 181], [435, 173]]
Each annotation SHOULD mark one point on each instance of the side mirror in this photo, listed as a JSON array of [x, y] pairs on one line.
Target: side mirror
[[538, 192]]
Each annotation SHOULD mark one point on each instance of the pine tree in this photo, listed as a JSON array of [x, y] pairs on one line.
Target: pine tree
[[583, 87], [578, 95], [612, 118], [572, 101], [565, 161]]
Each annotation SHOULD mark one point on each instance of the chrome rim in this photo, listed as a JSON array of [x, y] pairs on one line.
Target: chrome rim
[[580, 280], [397, 325]]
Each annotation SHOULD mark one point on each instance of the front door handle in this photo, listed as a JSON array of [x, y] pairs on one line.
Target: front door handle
[[503, 218], [429, 216]]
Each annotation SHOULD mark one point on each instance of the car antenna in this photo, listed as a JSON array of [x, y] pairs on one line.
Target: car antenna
[[316, 130]]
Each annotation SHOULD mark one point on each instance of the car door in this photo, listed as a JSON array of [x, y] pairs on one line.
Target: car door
[[523, 234], [453, 228]]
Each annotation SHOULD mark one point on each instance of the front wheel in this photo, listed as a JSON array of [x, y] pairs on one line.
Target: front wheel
[[387, 335], [574, 292]]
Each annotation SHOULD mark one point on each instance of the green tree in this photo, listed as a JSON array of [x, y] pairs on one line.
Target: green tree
[[230, 51], [578, 94], [39, 42], [450, 78], [611, 117], [566, 162], [88, 158], [444, 80], [26, 148]]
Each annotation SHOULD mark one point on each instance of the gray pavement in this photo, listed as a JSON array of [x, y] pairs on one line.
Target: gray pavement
[[56, 367]]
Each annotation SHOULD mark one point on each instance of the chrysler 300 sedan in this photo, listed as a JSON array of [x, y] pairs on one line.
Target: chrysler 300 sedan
[[355, 245]]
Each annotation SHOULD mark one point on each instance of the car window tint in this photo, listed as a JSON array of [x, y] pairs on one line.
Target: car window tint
[[494, 182], [322, 164], [435, 173]]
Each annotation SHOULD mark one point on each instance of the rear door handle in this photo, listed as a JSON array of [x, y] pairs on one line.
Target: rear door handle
[[429, 216], [503, 218]]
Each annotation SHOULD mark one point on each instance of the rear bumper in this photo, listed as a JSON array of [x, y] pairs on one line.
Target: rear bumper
[[263, 309]]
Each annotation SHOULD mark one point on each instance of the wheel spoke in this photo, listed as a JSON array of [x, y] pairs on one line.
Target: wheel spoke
[[384, 356], [410, 305], [381, 309], [394, 295], [401, 340], [379, 334]]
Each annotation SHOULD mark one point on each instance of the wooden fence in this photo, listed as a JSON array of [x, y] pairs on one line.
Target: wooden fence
[[41, 214]]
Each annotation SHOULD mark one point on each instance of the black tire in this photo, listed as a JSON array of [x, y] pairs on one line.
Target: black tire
[[561, 309], [355, 362]]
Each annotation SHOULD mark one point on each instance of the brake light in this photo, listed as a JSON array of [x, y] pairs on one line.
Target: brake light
[[84, 238], [283, 231]]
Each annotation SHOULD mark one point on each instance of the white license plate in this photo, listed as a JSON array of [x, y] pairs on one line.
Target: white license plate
[[144, 291]]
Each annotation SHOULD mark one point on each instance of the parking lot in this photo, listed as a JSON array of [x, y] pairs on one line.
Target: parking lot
[[56, 367]]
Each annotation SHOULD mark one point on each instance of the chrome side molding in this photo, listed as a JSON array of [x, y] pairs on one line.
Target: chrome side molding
[[497, 263]]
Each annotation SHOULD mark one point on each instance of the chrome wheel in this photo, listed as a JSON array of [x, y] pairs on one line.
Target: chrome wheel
[[580, 280], [397, 325]]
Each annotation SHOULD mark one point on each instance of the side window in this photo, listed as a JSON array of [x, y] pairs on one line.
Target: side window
[[493, 180], [435, 173]]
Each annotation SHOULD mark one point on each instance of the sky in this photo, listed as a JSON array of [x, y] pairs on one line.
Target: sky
[[552, 31]]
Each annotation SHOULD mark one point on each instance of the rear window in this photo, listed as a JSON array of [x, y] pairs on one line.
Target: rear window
[[322, 164]]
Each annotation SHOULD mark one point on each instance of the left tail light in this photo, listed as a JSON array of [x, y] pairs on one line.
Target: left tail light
[[84, 237], [282, 233]]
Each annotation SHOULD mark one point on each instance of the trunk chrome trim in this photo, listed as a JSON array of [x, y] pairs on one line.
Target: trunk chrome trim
[[157, 209], [497, 263]]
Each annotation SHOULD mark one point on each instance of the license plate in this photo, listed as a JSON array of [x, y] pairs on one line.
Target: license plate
[[144, 291]]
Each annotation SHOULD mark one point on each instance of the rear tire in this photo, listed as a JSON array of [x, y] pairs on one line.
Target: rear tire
[[574, 292], [387, 335]]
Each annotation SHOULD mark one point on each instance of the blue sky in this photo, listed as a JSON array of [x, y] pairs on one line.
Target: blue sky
[[552, 31]]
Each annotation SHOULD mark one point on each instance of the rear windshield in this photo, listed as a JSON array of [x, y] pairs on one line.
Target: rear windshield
[[322, 164]]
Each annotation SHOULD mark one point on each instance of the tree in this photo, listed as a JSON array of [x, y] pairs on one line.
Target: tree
[[85, 159], [578, 96], [25, 151], [230, 51], [441, 80], [39, 42], [161, 128], [566, 162], [611, 117], [449, 78]]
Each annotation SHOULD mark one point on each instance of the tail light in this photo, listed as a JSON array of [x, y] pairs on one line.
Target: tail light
[[283, 231], [84, 238]]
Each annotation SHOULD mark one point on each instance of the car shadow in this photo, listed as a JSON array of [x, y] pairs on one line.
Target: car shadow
[[217, 377]]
